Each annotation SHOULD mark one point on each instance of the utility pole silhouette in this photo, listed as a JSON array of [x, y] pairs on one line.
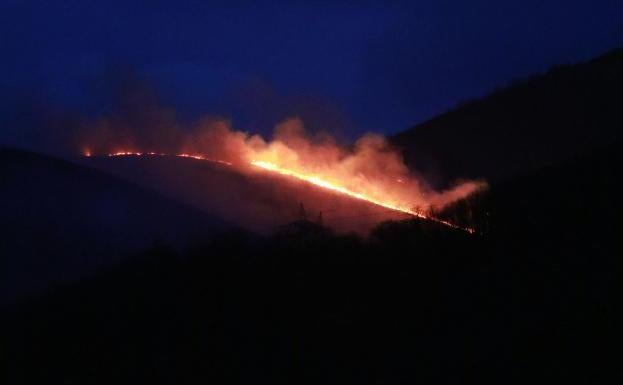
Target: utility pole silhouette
[[320, 218]]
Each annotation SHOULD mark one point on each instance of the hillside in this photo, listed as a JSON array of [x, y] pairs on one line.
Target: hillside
[[534, 294], [533, 123], [255, 200], [61, 220], [538, 296]]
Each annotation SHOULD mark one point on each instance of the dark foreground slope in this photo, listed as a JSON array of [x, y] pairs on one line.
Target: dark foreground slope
[[533, 123], [60, 220], [535, 300]]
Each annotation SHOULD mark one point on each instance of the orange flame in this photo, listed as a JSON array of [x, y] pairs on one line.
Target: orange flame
[[318, 181], [315, 179], [183, 155]]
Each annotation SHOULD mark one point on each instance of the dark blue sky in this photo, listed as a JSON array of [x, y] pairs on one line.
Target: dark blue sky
[[350, 66]]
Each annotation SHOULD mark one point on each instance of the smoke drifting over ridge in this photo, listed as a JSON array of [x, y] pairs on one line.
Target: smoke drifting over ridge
[[136, 121], [370, 167]]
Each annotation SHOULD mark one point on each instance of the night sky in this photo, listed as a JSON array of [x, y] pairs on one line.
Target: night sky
[[347, 67]]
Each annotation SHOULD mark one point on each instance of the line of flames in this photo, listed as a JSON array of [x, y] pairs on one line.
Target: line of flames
[[182, 155], [318, 181], [313, 179]]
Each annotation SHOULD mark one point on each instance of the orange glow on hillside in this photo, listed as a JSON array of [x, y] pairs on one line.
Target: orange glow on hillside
[[183, 155], [328, 182], [319, 181]]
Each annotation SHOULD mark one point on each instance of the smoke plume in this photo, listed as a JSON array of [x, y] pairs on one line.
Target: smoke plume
[[136, 121], [371, 166]]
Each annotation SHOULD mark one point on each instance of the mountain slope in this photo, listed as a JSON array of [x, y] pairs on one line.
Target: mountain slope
[[256, 200], [533, 123], [536, 297], [60, 220]]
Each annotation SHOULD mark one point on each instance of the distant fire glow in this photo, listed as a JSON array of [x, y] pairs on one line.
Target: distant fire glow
[[369, 170], [316, 180], [192, 156]]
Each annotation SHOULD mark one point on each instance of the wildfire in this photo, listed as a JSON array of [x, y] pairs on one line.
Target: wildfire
[[317, 180], [182, 155]]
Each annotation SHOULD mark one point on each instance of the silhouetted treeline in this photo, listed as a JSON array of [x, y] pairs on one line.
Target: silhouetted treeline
[[581, 197]]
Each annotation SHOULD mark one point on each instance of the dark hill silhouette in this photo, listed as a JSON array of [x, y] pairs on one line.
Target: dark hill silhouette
[[60, 220], [536, 297], [533, 123], [575, 200]]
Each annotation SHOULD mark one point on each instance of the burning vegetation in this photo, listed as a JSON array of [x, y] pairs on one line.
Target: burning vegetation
[[370, 170]]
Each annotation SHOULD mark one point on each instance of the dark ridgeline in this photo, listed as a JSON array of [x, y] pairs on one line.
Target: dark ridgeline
[[534, 298], [535, 122]]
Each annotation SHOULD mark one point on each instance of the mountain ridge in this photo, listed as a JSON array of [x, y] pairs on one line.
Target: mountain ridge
[[538, 121]]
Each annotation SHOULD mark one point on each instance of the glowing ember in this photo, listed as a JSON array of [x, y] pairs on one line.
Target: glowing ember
[[125, 153], [314, 179]]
